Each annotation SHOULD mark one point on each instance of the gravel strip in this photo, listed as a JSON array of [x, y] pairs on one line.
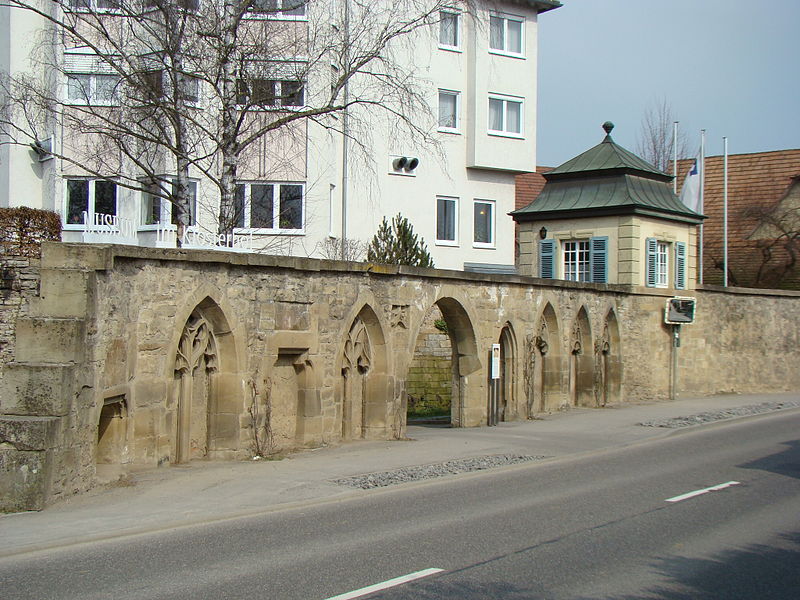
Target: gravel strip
[[450, 467], [719, 415]]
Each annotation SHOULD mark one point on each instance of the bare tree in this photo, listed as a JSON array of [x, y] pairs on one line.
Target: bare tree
[[331, 248], [778, 238], [655, 142], [159, 90]]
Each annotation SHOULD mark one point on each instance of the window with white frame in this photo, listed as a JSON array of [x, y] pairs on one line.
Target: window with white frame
[[270, 92], [190, 5], [92, 89], [446, 220], [449, 30], [276, 207], [288, 9], [448, 111], [483, 223], [156, 87], [506, 34], [90, 196], [159, 210], [662, 264], [576, 260], [93, 5], [505, 115], [581, 259], [656, 263]]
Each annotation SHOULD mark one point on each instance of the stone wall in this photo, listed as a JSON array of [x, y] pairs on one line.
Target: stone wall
[[429, 381], [141, 356]]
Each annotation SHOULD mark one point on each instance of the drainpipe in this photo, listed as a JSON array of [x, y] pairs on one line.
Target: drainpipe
[[345, 126]]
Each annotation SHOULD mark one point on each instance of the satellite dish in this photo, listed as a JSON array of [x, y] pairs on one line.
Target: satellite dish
[[400, 163], [412, 164]]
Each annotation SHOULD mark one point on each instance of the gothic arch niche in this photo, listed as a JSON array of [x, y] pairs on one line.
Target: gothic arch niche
[[506, 396], [366, 399], [467, 404], [208, 401], [581, 362], [609, 388], [544, 364]]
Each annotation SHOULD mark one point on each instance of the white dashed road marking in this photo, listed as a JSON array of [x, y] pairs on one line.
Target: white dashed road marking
[[385, 584], [713, 488]]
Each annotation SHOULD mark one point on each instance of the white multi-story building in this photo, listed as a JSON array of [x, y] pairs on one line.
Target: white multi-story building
[[439, 142]]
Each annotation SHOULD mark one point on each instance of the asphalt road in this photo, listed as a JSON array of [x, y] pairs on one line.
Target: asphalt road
[[601, 526]]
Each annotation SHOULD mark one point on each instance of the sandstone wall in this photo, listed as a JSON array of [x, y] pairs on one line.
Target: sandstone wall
[[149, 357]]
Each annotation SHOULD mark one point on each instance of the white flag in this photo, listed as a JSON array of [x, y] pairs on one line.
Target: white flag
[[690, 192]]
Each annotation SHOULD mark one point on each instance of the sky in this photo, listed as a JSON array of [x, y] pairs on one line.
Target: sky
[[731, 67]]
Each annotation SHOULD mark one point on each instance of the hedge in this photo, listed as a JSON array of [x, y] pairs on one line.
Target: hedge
[[23, 229]]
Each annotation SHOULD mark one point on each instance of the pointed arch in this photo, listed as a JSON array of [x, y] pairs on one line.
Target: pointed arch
[[507, 397], [609, 368], [207, 391], [365, 404], [581, 361], [544, 357]]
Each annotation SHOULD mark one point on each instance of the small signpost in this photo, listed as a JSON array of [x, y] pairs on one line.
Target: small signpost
[[678, 311], [492, 416]]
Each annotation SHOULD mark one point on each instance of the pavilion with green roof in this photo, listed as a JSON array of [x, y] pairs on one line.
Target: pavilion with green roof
[[608, 216]]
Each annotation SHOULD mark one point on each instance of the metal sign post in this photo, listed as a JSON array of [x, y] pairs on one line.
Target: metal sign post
[[678, 311], [492, 416], [676, 343]]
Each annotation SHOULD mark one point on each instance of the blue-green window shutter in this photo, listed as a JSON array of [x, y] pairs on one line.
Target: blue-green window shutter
[[652, 258], [598, 259], [547, 255], [680, 265]]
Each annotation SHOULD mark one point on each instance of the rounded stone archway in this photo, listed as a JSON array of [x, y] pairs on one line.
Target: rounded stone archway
[[467, 402]]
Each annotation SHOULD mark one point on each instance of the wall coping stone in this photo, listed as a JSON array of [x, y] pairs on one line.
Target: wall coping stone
[[707, 287], [101, 257]]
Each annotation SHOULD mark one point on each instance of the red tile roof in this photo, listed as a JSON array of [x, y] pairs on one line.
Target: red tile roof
[[529, 186], [755, 182]]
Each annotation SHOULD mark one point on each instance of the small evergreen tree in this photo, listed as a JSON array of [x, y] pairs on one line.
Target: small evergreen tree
[[397, 244]]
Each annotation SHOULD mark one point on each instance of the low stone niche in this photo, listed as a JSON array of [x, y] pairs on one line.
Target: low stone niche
[[111, 439]]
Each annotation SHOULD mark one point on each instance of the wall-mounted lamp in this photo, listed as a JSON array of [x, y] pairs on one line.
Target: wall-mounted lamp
[[543, 232]]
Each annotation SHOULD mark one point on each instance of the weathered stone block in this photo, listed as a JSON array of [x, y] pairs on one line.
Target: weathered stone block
[[292, 316], [30, 433], [41, 390], [24, 477], [149, 392], [76, 256], [46, 340], [229, 392], [62, 293], [309, 403], [225, 431]]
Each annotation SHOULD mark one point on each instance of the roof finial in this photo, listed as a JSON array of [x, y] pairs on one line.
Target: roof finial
[[607, 127]]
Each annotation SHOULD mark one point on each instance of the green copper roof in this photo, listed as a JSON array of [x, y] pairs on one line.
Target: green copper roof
[[607, 156], [606, 180]]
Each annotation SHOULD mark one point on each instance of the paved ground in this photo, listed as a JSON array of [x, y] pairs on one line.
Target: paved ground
[[200, 492]]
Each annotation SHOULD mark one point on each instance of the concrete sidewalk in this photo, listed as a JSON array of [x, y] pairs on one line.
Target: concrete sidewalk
[[200, 492]]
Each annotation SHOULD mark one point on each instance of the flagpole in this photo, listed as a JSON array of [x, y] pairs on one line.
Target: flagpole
[[725, 214], [702, 188], [675, 157]]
